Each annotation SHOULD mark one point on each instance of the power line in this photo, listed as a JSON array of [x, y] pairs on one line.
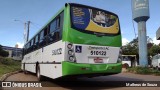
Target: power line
[[36, 25], [134, 29]]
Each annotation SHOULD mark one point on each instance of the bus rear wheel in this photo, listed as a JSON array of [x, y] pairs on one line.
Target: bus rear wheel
[[39, 76], [24, 70]]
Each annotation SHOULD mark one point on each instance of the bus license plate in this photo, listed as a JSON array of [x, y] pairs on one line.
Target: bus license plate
[[98, 60]]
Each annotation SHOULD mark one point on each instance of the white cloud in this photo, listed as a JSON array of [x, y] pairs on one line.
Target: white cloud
[[124, 41], [20, 45], [155, 41]]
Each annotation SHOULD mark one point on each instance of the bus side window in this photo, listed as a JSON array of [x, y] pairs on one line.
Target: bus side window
[[25, 49], [52, 31], [58, 22], [57, 33], [41, 38], [45, 36], [33, 46], [36, 42], [29, 47], [32, 43], [56, 27], [61, 24]]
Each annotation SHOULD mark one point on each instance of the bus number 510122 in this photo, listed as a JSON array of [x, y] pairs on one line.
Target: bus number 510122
[[98, 53]]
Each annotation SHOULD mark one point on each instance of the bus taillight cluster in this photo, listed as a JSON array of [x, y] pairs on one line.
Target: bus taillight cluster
[[71, 54]]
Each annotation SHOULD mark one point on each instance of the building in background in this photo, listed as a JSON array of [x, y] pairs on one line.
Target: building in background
[[14, 52], [129, 61]]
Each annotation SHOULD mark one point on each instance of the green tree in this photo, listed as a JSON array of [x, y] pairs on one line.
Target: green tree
[[131, 48], [3, 53], [155, 49]]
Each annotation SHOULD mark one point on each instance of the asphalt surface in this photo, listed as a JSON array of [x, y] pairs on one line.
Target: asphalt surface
[[84, 83]]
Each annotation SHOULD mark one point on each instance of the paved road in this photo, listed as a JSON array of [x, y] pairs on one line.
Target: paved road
[[85, 83]]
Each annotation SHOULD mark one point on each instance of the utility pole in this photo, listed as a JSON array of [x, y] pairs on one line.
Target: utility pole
[[28, 27], [26, 34]]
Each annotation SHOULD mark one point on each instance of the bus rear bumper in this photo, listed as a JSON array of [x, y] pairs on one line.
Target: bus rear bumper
[[69, 68]]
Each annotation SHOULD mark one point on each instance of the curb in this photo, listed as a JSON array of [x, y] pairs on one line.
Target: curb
[[5, 76]]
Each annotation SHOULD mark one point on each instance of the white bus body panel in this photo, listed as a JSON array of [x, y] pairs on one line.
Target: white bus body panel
[[84, 55], [49, 59]]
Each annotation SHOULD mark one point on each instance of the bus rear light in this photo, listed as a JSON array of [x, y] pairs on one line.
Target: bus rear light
[[72, 59], [70, 52], [70, 46]]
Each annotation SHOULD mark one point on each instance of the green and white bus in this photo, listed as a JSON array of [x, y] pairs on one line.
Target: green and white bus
[[79, 40]]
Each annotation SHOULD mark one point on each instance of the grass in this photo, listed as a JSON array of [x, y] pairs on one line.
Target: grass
[[143, 70], [8, 65]]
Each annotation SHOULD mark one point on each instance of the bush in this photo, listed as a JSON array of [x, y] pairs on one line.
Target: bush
[[4, 53], [5, 61], [8, 65], [131, 70], [143, 70], [8, 61]]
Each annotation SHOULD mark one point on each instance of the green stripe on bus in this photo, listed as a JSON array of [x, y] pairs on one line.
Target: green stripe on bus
[[69, 68], [89, 39]]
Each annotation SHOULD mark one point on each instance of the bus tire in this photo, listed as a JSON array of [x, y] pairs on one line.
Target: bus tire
[[24, 70], [38, 74]]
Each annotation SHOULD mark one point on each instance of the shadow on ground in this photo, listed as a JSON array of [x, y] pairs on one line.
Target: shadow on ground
[[103, 82]]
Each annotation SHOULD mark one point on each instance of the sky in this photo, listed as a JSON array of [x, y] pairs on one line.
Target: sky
[[39, 12]]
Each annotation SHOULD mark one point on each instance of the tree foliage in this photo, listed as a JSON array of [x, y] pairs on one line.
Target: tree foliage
[[155, 49], [132, 47], [3, 53]]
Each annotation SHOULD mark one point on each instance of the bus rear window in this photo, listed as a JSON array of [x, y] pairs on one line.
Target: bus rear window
[[94, 20]]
